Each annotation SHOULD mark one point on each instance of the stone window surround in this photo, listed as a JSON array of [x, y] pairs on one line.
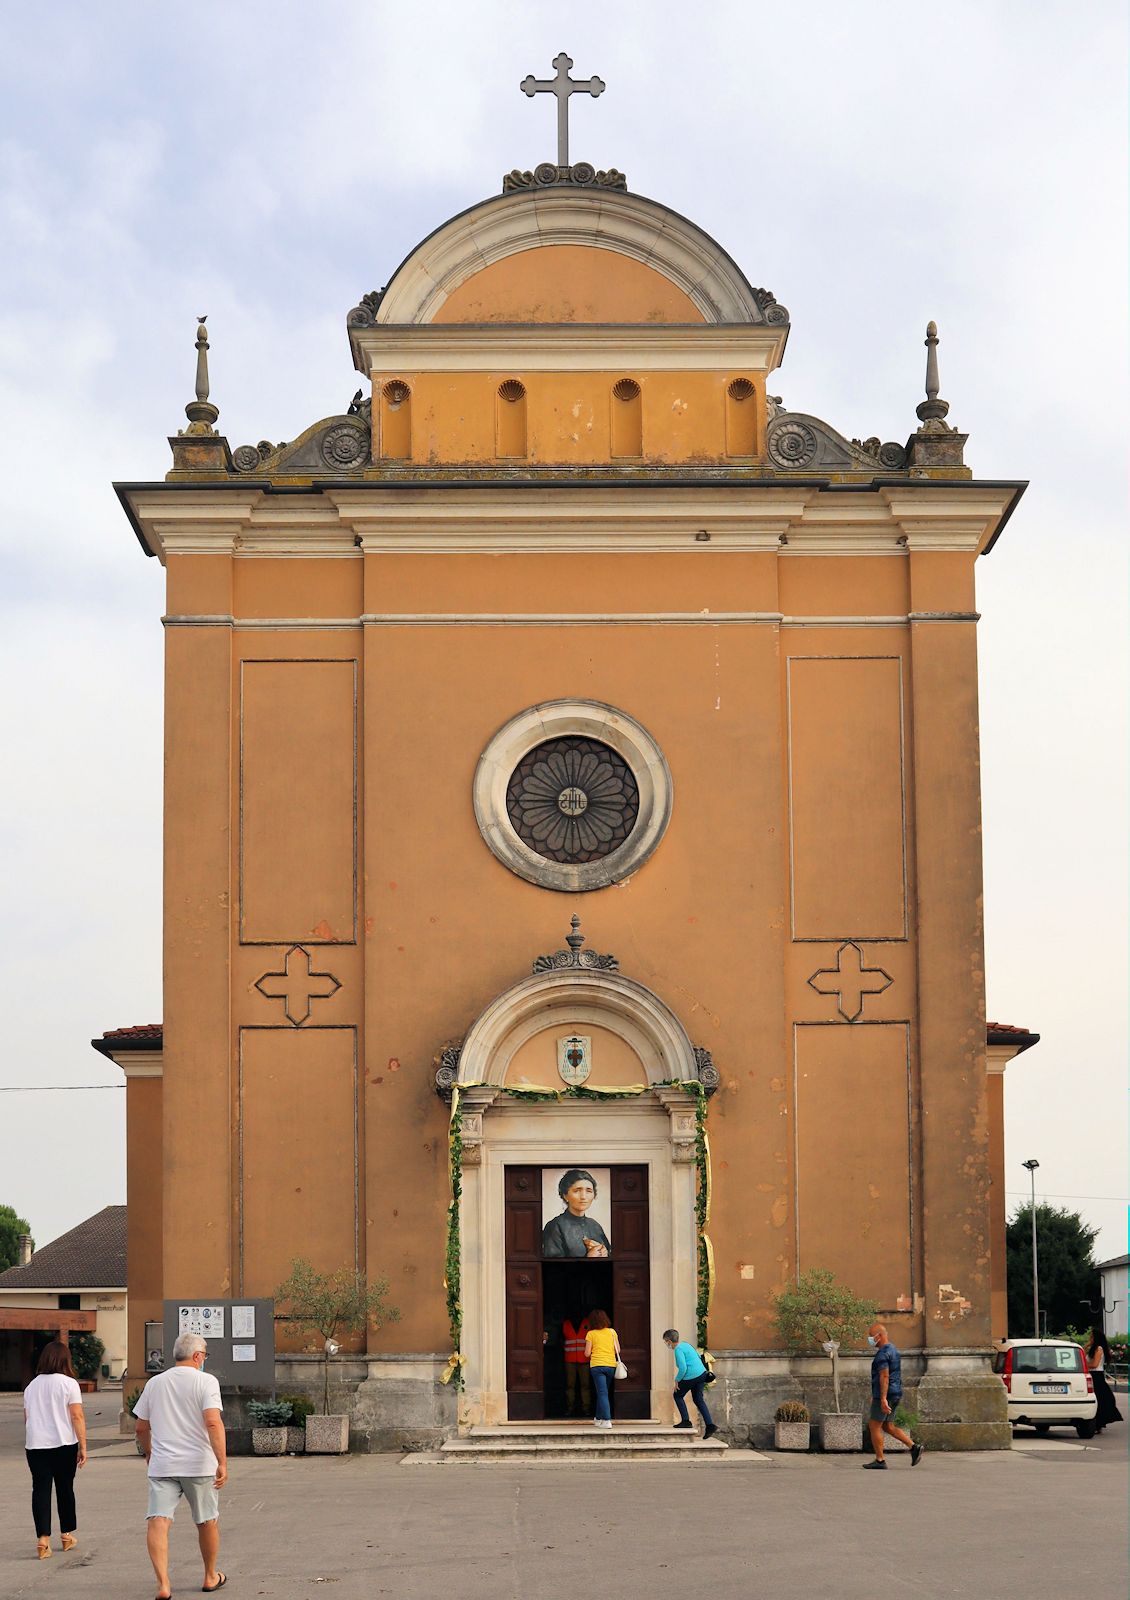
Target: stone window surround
[[555, 719]]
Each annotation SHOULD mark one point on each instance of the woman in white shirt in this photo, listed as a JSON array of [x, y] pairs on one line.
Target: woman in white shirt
[[55, 1436]]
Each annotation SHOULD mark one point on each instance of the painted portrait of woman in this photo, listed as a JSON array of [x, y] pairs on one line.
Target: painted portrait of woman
[[575, 1232]]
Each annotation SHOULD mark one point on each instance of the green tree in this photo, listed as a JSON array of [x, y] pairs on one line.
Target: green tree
[[331, 1303], [11, 1226], [819, 1312], [1068, 1275]]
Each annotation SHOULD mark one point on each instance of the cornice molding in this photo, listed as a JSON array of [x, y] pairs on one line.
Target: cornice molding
[[932, 520], [345, 522], [139, 1063], [382, 351]]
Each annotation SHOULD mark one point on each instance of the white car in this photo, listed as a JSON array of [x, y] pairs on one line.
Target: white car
[[1048, 1384]]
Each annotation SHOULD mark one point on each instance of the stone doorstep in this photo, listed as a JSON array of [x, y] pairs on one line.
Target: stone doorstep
[[527, 1441]]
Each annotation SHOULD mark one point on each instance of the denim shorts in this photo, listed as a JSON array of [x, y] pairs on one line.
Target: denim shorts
[[877, 1412], [201, 1494]]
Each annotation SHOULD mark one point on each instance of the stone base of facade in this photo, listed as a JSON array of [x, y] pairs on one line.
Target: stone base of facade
[[397, 1402], [394, 1403], [959, 1402]]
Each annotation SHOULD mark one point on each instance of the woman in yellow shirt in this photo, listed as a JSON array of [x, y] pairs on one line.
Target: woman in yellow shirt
[[603, 1350]]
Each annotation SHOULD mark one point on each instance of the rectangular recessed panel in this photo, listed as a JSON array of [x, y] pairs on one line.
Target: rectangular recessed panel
[[854, 1182], [298, 764], [846, 798], [297, 1152]]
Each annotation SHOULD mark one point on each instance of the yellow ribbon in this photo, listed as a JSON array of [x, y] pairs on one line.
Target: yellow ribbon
[[454, 1362]]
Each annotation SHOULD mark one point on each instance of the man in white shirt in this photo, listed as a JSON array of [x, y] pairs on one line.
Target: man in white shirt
[[180, 1427]]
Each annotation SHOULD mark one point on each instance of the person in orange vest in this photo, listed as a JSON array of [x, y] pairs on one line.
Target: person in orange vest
[[578, 1386]]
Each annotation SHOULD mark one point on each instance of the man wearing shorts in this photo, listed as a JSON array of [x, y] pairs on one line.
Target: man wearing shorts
[[886, 1392], [180, 1427]]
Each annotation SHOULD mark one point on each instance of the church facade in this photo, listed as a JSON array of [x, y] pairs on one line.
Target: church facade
[[572, 843]]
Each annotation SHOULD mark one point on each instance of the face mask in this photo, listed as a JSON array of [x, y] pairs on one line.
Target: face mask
[[872, 1341]]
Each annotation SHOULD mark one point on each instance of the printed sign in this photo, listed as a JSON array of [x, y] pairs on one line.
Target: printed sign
[[243, 1322], [205, 1320], [243, 1352]]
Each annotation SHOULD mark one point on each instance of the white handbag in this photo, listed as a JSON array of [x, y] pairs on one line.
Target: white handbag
[[621, 1370]]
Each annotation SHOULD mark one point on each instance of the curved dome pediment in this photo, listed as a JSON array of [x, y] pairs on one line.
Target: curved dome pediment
[[699, 274]]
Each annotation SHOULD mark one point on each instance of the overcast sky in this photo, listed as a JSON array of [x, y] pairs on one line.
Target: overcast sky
[[874, 164]]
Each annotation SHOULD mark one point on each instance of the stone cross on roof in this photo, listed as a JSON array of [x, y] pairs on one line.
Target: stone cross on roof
[[562, 86]]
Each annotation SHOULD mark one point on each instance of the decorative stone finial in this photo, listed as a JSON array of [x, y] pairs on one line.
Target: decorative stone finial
[[932, 409], [934, 443], [575, 956], [201, 413]]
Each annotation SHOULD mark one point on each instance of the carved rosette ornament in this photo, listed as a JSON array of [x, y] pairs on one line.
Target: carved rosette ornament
[[345, 445], [791, 443]]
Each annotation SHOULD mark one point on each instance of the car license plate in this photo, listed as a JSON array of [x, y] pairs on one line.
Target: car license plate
[[1049, 1388]]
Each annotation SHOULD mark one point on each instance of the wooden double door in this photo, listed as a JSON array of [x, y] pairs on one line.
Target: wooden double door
[[541, 1295]]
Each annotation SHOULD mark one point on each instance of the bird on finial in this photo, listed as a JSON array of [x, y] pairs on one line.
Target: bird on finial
[[932, 409], [201, 413]]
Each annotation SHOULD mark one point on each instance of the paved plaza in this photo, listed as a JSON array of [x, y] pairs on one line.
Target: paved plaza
[[1046, 1520]]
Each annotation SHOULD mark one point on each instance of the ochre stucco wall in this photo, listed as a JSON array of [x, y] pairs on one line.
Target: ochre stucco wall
[[759, 724], [823, 752]]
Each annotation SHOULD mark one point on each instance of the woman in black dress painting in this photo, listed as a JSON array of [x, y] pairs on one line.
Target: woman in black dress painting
[[573, 1233]]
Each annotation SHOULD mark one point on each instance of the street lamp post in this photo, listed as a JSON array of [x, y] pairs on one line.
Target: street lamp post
[[1032, 1165]]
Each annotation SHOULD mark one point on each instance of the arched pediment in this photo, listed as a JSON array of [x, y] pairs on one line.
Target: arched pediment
[[638, 229], [567, 987]]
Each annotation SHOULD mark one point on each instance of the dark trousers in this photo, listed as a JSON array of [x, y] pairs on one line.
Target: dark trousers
[[578, 1390], [696, 1388], [58, 1467]]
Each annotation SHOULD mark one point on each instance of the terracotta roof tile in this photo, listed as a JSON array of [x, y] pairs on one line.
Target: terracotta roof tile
[[91, 1256]]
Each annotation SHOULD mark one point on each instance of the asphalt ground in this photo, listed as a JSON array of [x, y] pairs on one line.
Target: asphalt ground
[[1047, 1519]]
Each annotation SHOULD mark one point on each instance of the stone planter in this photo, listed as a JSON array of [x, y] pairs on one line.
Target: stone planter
[[841, 1430], [127, 1423], [791, 1435], [268, 1441], [327, 1436], [295, 1439]]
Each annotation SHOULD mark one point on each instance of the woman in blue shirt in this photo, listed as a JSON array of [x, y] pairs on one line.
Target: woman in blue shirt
[[690, 1378]]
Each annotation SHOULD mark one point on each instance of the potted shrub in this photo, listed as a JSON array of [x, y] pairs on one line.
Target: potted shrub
[[906, 1420], [268, 1426], [300, 1409], [792, 1426], [87, 1351], [327, 1304], [126, 1421], [821, 1313]]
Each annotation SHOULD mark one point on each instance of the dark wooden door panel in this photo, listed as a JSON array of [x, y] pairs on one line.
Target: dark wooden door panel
[[524, 1322], [631, 1288]]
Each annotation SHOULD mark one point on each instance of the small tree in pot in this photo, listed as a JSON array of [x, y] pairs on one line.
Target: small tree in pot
[[821, 1313], [329, 1304]]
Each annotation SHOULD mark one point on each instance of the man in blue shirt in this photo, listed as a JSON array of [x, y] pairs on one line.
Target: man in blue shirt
[[886, 1392], [690, 1378]]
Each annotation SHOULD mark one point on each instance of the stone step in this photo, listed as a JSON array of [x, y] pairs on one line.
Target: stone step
[[549, 1441]]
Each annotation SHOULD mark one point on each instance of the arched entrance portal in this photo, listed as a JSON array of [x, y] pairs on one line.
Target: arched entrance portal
[[639, 1147]]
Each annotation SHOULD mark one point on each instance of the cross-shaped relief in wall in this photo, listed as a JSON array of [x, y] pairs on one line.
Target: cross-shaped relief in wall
[[296, 985], [849, 980]]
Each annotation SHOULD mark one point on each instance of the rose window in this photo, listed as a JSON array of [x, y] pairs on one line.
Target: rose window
[[572, 800]]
